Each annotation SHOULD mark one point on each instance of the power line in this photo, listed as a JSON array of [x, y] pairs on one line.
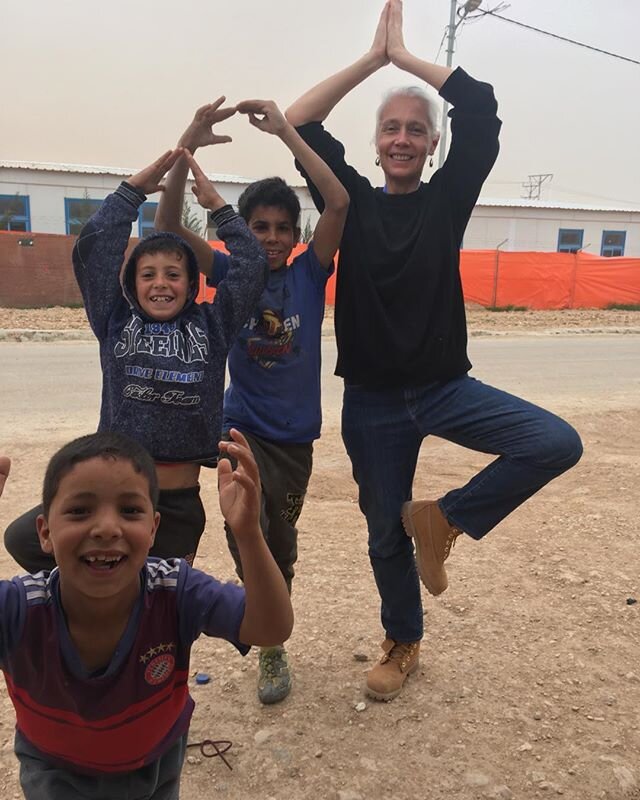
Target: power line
[[444, 36], [556, 36]]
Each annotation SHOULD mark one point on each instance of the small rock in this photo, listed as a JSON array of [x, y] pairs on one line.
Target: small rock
[[524, 748], [631, 601], [625, 777], [260, 737], [193, 760], [501, 792], [318, 754], [537, 715], [358, 656], [474, 778], [360, 706]]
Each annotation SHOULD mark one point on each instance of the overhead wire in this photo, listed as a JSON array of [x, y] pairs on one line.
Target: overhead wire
[[482, 13]]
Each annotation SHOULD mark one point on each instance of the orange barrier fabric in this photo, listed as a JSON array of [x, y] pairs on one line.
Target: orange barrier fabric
[[208, 293], [531, 279]]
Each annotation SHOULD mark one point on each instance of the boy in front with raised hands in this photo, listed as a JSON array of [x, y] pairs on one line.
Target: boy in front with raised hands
[[274, 365], [96, 653]]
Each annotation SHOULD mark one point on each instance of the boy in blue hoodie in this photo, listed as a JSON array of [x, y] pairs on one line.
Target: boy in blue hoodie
[[163, 355]]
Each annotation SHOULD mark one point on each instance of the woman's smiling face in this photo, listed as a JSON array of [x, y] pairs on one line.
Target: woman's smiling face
[[403, 141]]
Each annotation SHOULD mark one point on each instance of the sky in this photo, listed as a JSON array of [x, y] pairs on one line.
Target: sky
[[115, 83]]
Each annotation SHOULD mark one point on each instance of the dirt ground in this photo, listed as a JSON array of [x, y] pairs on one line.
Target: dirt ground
[[479, 320], [530, 675]]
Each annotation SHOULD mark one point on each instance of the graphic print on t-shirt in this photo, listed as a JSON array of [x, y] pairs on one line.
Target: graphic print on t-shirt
[[271, 338]]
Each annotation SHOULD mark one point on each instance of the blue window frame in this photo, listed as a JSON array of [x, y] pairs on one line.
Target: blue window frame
[[570, 240], [15, 214], [613, 243], [145, 219], [77, 212]]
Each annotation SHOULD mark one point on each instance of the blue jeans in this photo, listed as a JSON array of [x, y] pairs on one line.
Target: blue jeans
[[383, 430]]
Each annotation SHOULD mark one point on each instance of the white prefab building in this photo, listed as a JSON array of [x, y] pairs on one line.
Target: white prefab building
[[537, 225], [56, 198]]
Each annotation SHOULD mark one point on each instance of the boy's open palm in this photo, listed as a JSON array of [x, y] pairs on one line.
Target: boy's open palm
[[264, 115], [239, 488], [205, 192], [200, 133], [148, 179]]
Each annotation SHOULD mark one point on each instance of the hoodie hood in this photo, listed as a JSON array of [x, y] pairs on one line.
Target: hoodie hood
[[129, 274]]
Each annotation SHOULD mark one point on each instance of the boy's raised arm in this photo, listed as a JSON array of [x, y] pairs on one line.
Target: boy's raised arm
[[239, 290], [268, 615], [100, 248], [266, 116], [169, 213]]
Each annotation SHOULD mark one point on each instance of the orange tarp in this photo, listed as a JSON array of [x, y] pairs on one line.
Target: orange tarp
[[532, 279]]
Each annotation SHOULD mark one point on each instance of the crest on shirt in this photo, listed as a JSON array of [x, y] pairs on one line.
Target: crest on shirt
[[160, 663], [274, 340]]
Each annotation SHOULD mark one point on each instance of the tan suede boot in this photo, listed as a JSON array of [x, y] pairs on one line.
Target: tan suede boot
[[385, 680], [433, 537]]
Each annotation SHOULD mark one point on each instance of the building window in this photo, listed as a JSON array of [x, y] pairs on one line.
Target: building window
[[78, 211], [570, 240], [613, 243], [145, 219], [14, 213]]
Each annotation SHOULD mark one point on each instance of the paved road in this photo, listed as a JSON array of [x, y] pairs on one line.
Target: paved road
[[55, 387]]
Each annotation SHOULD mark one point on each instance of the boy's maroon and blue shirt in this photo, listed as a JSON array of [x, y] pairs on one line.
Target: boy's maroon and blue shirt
[[130, 713]]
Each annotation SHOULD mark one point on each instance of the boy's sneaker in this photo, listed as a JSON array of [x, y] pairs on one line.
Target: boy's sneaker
[[274, 680], [385, 680], [433, 537]]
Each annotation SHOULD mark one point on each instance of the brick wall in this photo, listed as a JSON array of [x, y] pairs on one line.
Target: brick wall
[[36, 270]]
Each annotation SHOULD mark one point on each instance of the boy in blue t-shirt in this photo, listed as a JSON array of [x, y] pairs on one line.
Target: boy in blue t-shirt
[[274, 365], [96, 653]]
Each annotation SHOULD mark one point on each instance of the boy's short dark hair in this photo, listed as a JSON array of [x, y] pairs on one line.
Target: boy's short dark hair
[[159, 243], [269, 192], [98, 445]]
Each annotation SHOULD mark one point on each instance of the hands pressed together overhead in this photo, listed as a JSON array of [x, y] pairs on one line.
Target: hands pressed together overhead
[[388, 42]]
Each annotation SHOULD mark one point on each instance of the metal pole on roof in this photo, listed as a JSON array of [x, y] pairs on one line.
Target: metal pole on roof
[[470, 5]]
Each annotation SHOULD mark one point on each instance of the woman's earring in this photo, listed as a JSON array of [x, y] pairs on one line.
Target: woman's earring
[[431, 161], [377, 161]]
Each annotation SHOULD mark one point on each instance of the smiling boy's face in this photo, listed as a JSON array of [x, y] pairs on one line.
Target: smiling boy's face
[[100, 526], [273, 228], [162, 284]]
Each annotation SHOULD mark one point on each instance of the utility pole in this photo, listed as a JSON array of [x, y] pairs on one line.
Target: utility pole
[[469, 6], [534, 185]]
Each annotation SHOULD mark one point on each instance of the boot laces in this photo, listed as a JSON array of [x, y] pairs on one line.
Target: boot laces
[[451, 541], [402, 653]]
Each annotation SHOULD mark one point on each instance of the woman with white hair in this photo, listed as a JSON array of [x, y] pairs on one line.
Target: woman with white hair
[[401, 335]]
